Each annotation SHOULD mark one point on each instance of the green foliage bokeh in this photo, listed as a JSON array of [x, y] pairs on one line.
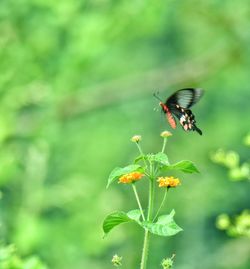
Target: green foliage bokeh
[[76, 82]]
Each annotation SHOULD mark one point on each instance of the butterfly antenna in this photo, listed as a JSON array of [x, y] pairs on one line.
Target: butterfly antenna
[[156, 95]]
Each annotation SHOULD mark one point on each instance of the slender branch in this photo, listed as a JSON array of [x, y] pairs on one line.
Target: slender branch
[[151, 199], [84, 101], [141, 152], [149, 216], [145, 250], [162, 203], [138, 200]]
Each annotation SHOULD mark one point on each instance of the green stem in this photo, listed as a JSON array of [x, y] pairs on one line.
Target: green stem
[[149, 217], [145, 250], [138, 200], [162, 203], [141, 152], [164, 144], [151, 199]]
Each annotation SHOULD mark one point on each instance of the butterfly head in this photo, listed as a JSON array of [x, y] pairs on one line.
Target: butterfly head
[[163, 106], [156, 95]]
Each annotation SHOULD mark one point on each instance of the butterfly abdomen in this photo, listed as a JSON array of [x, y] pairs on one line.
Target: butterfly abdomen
[[171, 120]]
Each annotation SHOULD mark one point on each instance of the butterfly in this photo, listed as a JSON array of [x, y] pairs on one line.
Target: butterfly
[[178, 105]]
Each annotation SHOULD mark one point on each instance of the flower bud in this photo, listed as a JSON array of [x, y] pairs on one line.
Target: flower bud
[[168, 262], [116, 260], [136, 138], [165, 134]]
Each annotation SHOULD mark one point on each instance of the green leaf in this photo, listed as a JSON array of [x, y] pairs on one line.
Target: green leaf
[[134, 215], [159, 157], [184, 166], [118, 172], [165, 225], [119, 217]]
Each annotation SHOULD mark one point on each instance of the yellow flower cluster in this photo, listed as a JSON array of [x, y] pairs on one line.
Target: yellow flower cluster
[[169, 182], [130, 177]]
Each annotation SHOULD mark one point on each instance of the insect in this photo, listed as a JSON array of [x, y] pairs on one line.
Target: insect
[[178, 104]]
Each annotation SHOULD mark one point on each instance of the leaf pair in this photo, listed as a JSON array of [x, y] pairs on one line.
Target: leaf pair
[[165, 225], [162, 159], [159, 158]]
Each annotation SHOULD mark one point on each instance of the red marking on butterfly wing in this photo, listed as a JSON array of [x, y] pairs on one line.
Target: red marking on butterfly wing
[[171, 120]]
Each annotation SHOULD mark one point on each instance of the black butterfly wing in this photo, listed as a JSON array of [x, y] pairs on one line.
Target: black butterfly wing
[[186, 119], [185, 98], [179, 104]]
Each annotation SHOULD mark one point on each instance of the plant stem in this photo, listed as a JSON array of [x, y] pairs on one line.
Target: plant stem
[[162, 203], [138, 200], [149, 217], [145, 250], [151, 199], [164, 144], [141, 152]]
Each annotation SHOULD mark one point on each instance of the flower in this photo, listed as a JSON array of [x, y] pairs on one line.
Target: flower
[[169, 182], [136, 138], [116, 260], [165, 134], [130, 177]]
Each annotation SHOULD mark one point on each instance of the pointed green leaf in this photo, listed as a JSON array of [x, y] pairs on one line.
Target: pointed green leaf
[[118, 172], [141, 157], [134, 215], [165, 225], [159, 157], [184, 166], [165, 219], [113, 220], [119, 217]]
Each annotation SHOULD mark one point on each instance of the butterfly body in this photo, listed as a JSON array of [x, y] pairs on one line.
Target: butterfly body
[[178, 104]]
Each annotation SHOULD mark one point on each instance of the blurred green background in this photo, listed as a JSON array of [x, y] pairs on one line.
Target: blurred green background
[[76, 82]]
